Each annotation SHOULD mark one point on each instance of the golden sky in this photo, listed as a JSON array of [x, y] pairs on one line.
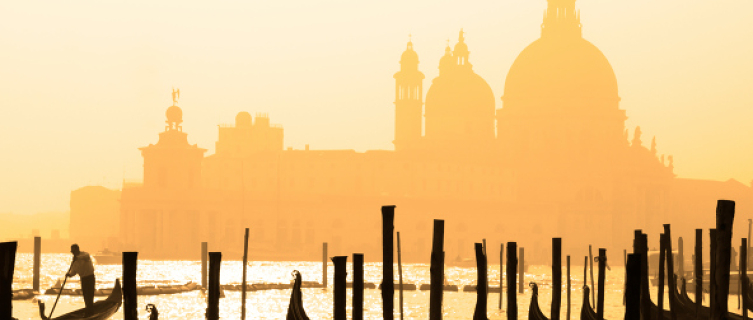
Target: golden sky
[[83, 84]]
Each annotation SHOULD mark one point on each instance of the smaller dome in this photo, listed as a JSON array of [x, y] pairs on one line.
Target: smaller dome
[[243, 119], [174, 114]]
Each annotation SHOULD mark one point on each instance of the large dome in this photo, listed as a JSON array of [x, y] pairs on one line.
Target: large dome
[[552, 70]]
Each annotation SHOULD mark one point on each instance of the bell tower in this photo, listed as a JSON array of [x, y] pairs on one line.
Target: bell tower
[[408, 101]]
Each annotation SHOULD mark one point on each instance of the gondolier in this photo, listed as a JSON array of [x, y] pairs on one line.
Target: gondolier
[[83, 267]]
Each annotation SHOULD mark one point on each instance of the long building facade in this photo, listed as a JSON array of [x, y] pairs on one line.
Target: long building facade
[[556, 160]]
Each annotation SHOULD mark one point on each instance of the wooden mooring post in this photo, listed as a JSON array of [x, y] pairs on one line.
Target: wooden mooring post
[[7, 268], [339, 296], [481, 293], [213, 292], [37, 262], [400, 274], [243, 285], [602, 280], [633, 287], [671, 279], [501, 273], [662, 268], [204, 253], [358, 286], [744, 276], [522, 271], [624, 285], [725, 216], [681, 257], [324, 266], [556, 278], [130, 301], [698, 271], [568, 289], [512, 298], [712, 268], [437, 272], [388, 279], [591, 269]]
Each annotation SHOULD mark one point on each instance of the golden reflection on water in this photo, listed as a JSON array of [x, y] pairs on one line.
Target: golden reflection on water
[[273, 304]]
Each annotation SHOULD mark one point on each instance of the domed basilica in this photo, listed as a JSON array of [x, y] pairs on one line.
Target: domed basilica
[[556, 160]]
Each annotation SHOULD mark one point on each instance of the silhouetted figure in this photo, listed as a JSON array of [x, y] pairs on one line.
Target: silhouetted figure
[[295, 308], [153, 313], [83, 267]]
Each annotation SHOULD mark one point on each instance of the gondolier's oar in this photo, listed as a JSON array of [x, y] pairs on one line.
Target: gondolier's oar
[[61, 289]]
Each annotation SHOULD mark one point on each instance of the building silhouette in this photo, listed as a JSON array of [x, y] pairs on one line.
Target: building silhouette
[[556, 160]]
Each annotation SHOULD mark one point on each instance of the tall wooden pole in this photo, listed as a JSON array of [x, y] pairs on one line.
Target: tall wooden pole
[[512, 263], [556, 277], [624, 285], [357, 286], [645, 295], [591, 269], [602, 276], [660, 288], [7, 268], [339, 296], [568, 289], [750, 225], [437, 271], [243, 288], [481, 293], [130, 302], [698, 272], [204, 253], [522, 271], [671, 279], [37, 260], [388, 279], [680, 257], [324, 266], [725, 216], [744, 276], [400, 274], [501, 273], [712, 268], [633, 288], [213, 292]]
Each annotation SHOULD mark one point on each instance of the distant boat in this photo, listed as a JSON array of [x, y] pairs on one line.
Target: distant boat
[[100, 310], [108, 257]]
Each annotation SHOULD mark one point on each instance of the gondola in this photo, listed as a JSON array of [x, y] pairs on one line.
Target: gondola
[[100, 310], [534, 312], [295, 308], [687, 307], [586, 311]]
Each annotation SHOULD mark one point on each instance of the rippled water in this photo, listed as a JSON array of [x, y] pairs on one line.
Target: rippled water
[[272, 304]]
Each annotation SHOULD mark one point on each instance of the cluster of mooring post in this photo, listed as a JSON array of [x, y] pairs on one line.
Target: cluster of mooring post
[[636, 297]]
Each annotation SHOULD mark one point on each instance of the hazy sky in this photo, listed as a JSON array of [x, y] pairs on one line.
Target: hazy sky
[[83, 84]]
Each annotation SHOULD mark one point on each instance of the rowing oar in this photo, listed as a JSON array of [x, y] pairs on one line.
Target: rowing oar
[[61, 289]]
